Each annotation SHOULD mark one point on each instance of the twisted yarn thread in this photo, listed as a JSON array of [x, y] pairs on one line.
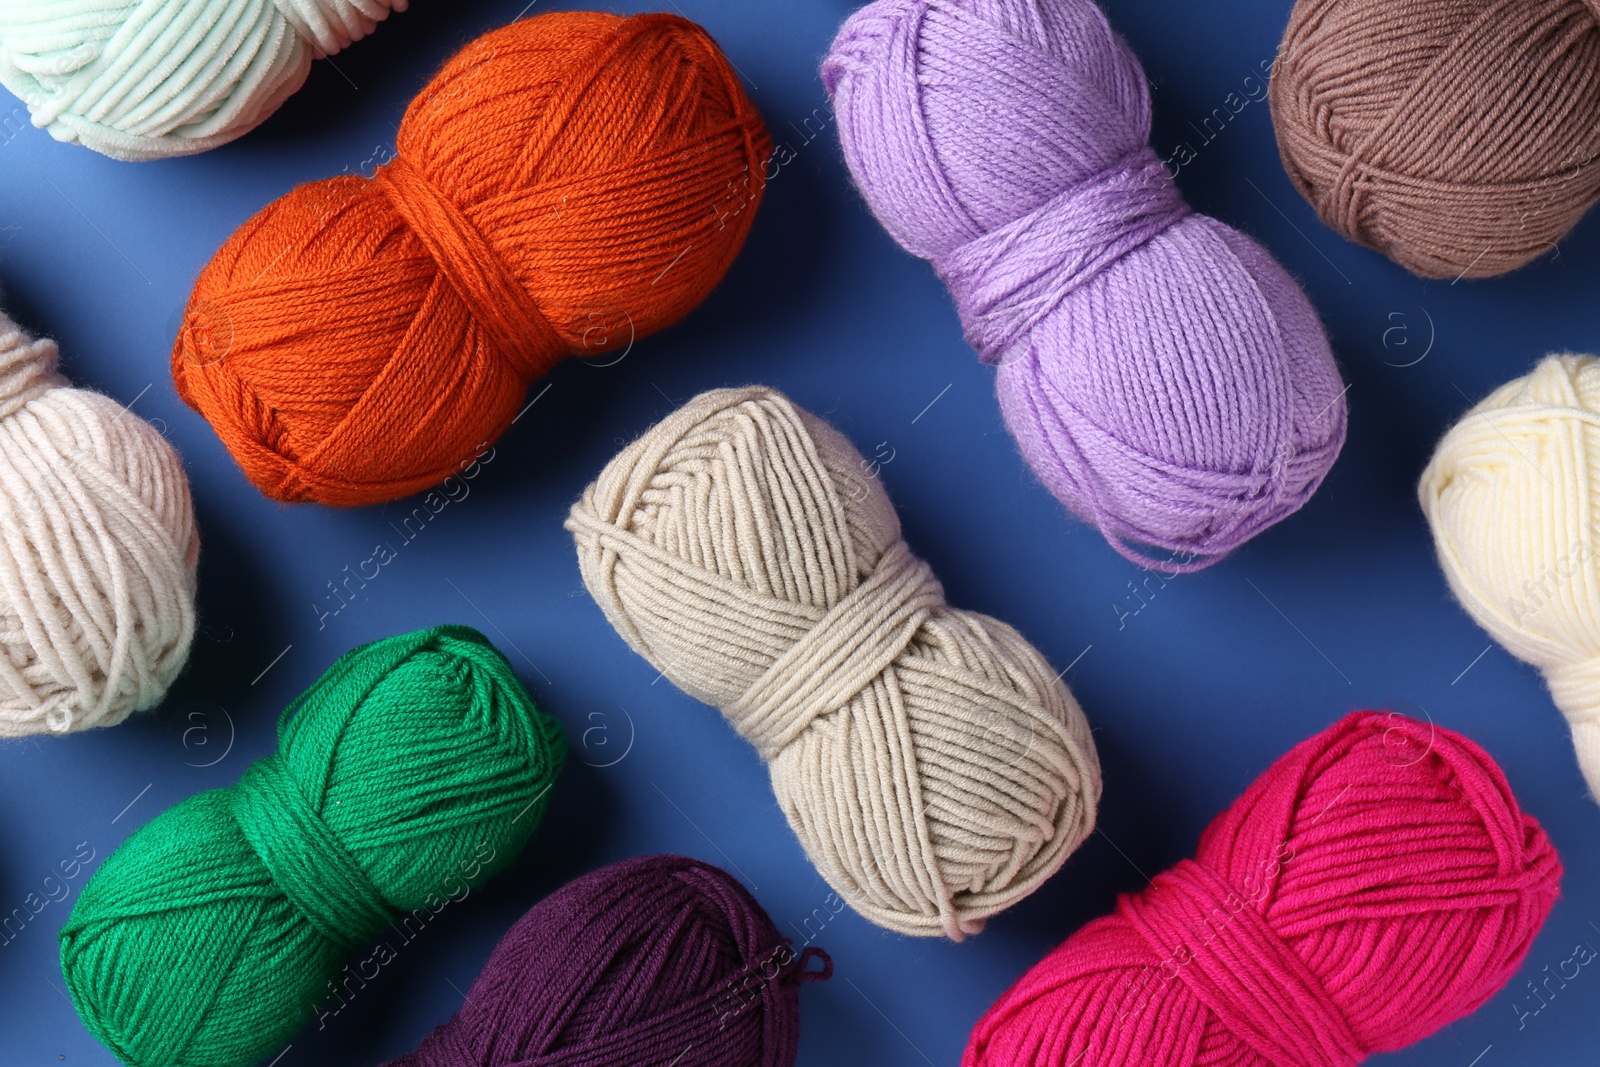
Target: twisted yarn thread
[[1457, 137], [931, 762], [410, 772], [1377, 883], [149, 79], [564, 186], [1509, 497], [98, 549], [655, 962], [1162, 374]]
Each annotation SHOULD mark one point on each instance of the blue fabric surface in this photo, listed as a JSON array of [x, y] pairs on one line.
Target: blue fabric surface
[[1194, 684]]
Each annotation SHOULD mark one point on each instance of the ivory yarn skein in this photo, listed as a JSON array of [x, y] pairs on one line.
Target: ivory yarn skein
[[149, 79], [1163, 376], [1509, 496], [1460, 138], [932, 764], [98, 550]]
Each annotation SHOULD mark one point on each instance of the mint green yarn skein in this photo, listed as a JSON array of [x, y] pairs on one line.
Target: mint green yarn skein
[[415, 767], [148, 79]]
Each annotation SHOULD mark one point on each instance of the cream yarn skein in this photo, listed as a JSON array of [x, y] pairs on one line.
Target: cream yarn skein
[[97, 551], [149, 79], [930, 761], [1510, 496]]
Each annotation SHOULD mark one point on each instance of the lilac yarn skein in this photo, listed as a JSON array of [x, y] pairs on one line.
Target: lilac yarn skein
[[1164, 377], [660, 961]]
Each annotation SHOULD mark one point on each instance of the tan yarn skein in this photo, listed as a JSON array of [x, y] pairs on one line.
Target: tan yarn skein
[[98, 550], [1460, 138], [931, 762]]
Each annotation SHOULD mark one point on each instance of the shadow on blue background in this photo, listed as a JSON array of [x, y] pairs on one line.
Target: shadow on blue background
[[1192, 695]]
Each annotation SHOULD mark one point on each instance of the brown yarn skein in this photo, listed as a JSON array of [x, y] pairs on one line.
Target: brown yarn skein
[[1457, 137]]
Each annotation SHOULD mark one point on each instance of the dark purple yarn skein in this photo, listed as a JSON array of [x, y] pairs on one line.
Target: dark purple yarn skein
[[661, 961]]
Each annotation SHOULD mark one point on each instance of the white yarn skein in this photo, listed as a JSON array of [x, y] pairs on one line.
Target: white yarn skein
[[929, 759], [1511, 496], [150, 79], [98, 549]]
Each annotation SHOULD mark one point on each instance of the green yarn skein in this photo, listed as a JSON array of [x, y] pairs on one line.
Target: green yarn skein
[[415, 765]]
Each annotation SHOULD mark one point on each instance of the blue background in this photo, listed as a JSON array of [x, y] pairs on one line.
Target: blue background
[[1216, 675]]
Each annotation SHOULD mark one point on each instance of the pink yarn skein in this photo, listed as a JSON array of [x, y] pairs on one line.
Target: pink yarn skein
[[1164, 377], [1374, 885]]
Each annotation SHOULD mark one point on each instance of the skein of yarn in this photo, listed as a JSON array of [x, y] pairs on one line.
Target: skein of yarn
[[563, 186], [1457, 137], [1164, 377], [407, 775], [148, 79], [654, 962], [1374, 885], [98, 549], [930, 761], [1509, 497]]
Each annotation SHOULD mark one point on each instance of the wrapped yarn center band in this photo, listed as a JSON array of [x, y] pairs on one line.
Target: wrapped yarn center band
[[1004, 289]]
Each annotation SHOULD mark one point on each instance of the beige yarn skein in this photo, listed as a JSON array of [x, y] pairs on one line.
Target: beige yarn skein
[[930, 761], [97, 551], [1511, 496]]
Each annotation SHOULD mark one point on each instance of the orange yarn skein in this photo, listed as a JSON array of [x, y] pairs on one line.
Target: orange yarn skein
[[562, 186]]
